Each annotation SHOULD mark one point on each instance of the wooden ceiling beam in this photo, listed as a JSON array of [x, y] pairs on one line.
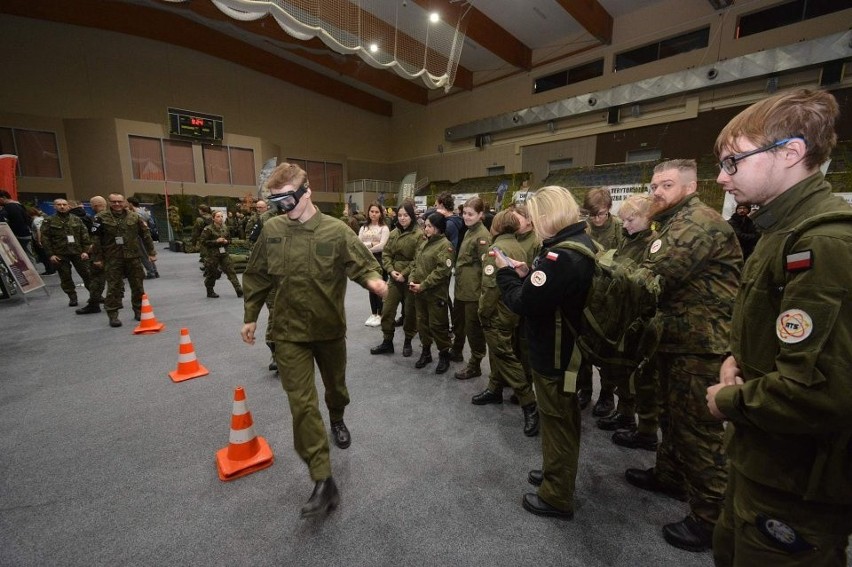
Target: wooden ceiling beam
[[163, 26], [592, 16]]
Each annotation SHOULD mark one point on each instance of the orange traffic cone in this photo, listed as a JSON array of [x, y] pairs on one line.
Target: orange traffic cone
[[148, 323], [188, 366], [246, 452]]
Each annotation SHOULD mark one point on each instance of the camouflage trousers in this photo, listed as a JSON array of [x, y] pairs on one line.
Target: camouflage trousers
[[97, 283], [296, 368], [559, 415], [744, 535], [214, 266], [64, 269], [506, 368], [114, 272], [691, 454]]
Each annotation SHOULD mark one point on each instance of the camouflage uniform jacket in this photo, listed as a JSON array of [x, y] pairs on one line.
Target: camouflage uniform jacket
[[697, 255], [609, 235], [55, 233], [473, 249], [127, 227], [492, 310], [209, 236], [400, 249], [198, 226], [530, 244], [635, 246], [792, 418], [433, 266], [305, 265]]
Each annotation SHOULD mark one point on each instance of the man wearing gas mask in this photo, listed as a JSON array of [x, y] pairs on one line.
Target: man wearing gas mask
[[303, 257]]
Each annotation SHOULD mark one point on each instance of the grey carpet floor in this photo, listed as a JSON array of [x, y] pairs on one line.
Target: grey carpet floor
[[106, 461]]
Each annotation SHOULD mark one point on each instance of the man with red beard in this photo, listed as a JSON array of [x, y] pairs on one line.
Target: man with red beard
[[698, 260]]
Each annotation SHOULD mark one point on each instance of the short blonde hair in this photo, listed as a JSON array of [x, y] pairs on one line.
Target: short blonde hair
[[552, 208], [636, 204]]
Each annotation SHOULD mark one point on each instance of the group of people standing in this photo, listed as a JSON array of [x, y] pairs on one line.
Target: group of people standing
[[762, 349]]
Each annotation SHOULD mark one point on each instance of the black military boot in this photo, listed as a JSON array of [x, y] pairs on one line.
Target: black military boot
[[340, 434], [72, 301], [535, 505], [324, 499], [616, 421], [535, 477], [443, 362], [272, 364], [584, 397], [239, 291], [425, 357], [646, 480], [486, 396], [456, 356], [211, 293], [385, 348], [690, 534], [89, 308], [113, 319], [530, 419], [406, 348], [470, 371], [633, 439], [604, 406], [137, 314]]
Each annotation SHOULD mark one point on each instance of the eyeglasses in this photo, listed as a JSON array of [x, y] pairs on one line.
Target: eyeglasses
[[600, 215], [729, 164]]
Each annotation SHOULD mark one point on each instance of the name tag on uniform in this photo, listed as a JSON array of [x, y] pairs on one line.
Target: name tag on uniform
[[119, 240], [222, 250], [70, 238]]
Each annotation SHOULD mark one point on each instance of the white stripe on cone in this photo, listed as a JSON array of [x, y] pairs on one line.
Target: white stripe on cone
[[240, 436], [188, 357]]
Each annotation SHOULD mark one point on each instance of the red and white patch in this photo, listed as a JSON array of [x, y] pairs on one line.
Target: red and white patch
[[552, 256], [483, 242], [489, 269], [537, 278], [799, 261], [793, 326], [656, 245]]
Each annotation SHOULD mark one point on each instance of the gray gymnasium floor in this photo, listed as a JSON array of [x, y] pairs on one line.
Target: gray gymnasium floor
[[106, 461]]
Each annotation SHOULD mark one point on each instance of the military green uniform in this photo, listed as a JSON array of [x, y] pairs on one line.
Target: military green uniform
[[216, 257], [500, 325], [789, 438], [530, 244], [699, 260], [608, 236], [97, 275], [432, 269], [398, 256], [197, 227], [634, 247], [472, 250], [306, 265], [64, 235], [116, 245]]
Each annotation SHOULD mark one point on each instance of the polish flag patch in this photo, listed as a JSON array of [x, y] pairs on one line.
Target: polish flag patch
[[552, 256], [799, 261]]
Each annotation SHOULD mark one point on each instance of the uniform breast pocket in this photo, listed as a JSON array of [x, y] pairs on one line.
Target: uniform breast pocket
[[758, 337], [322, 265]]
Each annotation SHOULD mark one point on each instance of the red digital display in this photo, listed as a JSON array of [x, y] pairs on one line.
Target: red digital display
[[195, 125]]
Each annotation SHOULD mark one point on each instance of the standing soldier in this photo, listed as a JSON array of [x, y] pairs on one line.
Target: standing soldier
[[429, 284], [214, 241], [500, 326], [203, 219], [116, 249], [304, 258], [97, 281], [66, 242], [785, 387], [698, 259]]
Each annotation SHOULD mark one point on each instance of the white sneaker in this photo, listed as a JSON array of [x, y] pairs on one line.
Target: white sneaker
[[377, 321], [369, 321]]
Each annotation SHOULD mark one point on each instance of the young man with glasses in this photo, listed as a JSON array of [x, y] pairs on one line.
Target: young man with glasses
[[785, 388]]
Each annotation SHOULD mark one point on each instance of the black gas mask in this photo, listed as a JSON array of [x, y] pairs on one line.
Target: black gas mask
[[287, 201]]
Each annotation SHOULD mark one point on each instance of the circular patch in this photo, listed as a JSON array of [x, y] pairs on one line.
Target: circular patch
[[781, 531], [489, 269], [449, 263], [793, 326], [538, 278], [655, 247]]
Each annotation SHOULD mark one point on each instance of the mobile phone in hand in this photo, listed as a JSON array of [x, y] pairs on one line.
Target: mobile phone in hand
[[509, 261]]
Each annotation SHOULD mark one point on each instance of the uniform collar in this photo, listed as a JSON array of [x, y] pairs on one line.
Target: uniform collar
[[664, 216], [788, 204]]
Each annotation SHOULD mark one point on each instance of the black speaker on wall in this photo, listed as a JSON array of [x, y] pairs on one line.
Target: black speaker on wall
[[613, 115], [832, 73], [480, 140]]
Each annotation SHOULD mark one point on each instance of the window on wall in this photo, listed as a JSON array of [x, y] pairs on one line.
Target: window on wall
[[669, 47], [242, 166], [787, 13], [569, 77], [556, 164], [324, 176], [495, 170], [180, 162], [38, 153], [644, 155], [146, 158]]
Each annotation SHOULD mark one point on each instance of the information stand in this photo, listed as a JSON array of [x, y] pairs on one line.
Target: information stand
[[17, 269]]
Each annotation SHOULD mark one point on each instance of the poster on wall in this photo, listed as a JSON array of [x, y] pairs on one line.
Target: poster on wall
[[17, 261]]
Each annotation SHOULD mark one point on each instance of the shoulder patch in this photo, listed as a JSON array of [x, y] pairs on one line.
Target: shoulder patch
[[489, 269], [799, 262], [449, 263], [793, 326], [552, 256], [656, 245], [538, 278]]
